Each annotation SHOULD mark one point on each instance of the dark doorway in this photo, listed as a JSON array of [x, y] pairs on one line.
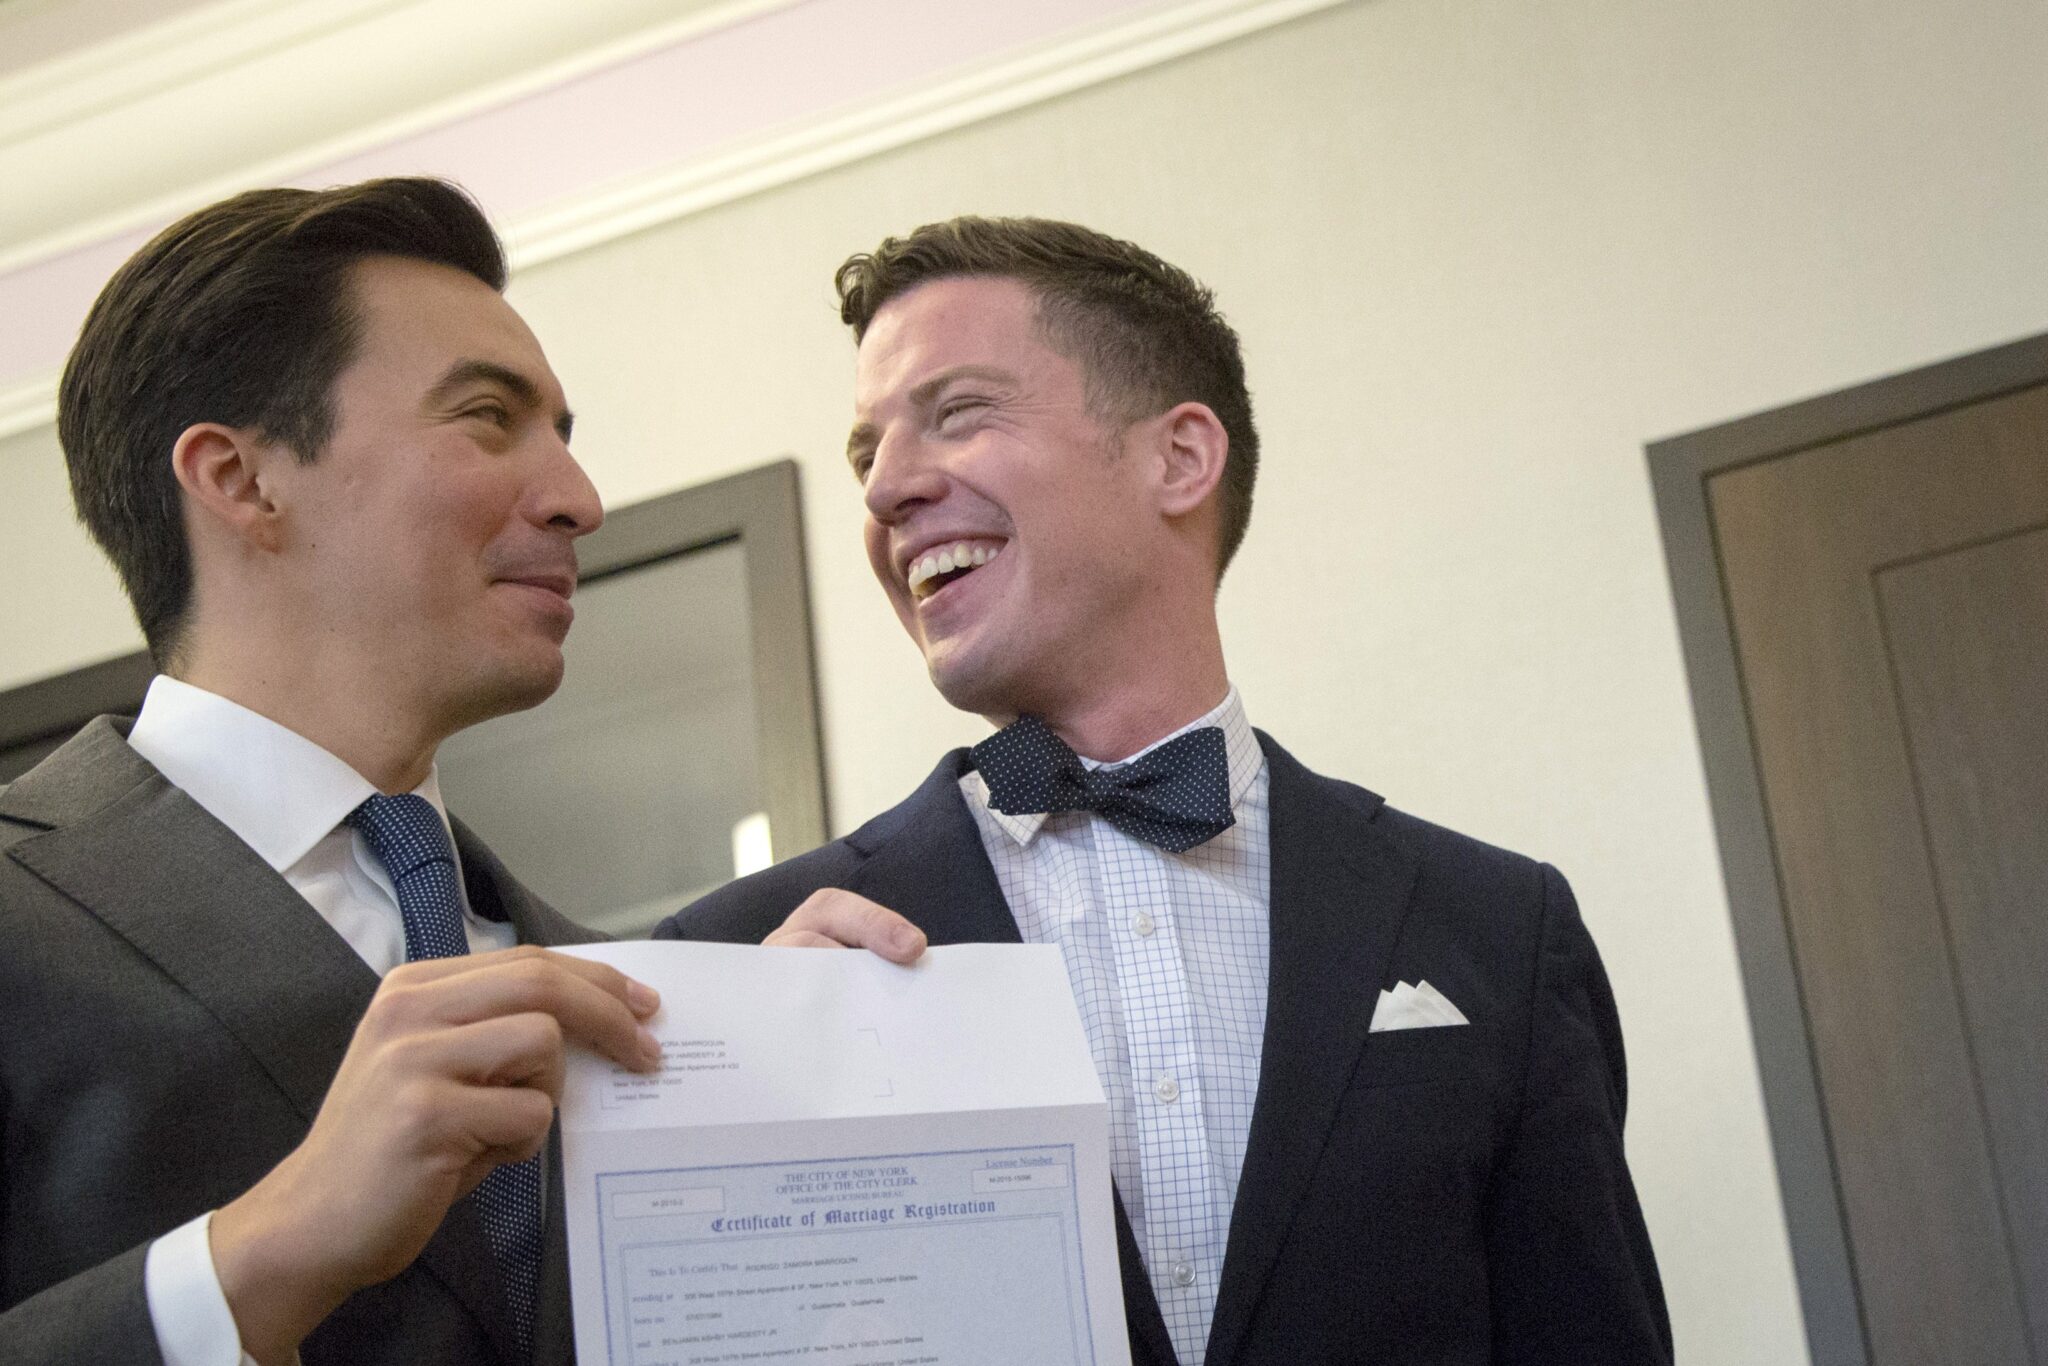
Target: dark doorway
[[1862, 584]]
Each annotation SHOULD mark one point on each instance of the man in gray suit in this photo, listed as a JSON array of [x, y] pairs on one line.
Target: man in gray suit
[[331, 465]]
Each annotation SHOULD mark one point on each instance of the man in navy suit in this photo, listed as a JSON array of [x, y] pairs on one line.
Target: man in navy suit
[[1365, 1074]]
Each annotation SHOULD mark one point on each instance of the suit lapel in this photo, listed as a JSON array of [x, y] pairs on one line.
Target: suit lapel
[[194, 900], [497, 895], [1151, 1345], [459, 1253], [1339, 894], [554, 1330], [925, 862]]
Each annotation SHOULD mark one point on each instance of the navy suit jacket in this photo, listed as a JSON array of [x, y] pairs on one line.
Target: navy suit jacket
[[1449, 1195], [171, 1014]]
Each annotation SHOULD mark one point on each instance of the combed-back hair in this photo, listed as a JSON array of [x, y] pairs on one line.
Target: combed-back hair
[[1146, 334], [241, 314]]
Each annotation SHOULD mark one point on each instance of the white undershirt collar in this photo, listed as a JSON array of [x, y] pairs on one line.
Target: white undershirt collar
[[276, 790]]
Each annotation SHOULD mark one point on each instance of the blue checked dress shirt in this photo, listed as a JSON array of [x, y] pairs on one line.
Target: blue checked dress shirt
[[1167, 955]]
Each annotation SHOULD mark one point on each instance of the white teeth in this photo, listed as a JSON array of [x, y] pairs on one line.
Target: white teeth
[[960, 555]]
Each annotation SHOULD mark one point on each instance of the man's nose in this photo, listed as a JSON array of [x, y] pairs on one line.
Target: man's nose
[[903, 475], [568, 500]]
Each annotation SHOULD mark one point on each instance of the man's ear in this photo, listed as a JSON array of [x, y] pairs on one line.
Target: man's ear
[[224, 473], [1191, 449]]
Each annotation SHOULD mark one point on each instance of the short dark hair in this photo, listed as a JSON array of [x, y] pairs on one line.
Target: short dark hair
[[1146, 334], [241, 314]]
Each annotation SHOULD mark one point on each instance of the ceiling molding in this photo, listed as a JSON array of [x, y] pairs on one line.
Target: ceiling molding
[[157, 56], [1071, 63], [577, 217], [205, 54]]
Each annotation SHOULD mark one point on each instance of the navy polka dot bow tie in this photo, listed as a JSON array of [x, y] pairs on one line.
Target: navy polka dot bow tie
[[1176, 797], [408, 838]]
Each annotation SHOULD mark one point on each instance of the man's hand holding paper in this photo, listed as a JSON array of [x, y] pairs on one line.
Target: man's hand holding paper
[[843, 1160]]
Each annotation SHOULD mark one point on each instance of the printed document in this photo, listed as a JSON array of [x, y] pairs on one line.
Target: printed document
[[844, 1162]]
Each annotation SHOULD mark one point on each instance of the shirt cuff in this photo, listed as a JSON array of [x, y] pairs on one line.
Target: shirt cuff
[[187, 1307]]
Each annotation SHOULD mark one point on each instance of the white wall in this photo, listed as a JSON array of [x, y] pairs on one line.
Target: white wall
[[1479, 254], [60, 601]]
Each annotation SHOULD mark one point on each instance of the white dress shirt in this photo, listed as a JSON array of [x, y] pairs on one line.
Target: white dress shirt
[[1167, 954], [286, 798]]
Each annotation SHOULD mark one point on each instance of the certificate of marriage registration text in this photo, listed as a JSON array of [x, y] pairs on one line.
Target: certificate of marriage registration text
[[843, 1162]]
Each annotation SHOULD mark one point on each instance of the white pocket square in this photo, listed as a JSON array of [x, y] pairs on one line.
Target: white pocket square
[[1421, 1006]]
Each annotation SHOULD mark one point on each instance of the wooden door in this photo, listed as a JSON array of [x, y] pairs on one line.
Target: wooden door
[[1886, 597]]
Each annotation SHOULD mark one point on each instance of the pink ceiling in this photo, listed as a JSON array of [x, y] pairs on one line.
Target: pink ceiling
[[663, 108]]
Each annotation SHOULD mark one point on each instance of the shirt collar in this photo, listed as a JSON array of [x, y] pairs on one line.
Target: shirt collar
[[1240, 745], [277, 791]]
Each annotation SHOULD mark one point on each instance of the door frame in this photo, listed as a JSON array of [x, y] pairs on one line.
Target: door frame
[[1680, 468]]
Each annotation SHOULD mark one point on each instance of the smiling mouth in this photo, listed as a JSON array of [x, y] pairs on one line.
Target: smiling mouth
[[939, 569]]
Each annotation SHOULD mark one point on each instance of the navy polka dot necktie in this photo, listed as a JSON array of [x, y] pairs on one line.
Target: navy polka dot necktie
[[1177, 796], [407, 836]]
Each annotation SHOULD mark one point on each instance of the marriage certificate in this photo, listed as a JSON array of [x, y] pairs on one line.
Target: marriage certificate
[[844, 1162]]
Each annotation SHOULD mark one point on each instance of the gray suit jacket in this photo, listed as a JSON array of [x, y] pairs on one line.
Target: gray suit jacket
[[171, 1014]]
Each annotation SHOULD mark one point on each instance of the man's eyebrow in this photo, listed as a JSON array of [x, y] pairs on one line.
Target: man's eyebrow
[[524, 391], [862, 440], [865, 436], [924, 393]]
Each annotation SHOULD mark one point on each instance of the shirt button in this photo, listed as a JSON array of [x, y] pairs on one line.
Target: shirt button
[[1142, 923], [1183, 1275], [1168, 1090]]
